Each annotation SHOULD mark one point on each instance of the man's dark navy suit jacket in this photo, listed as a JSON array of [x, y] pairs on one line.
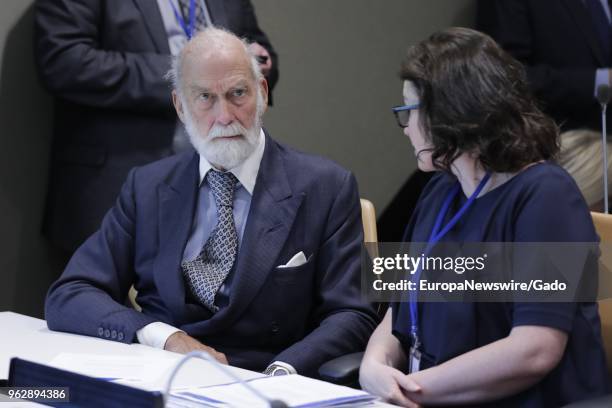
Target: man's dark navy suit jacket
[[303, 315]]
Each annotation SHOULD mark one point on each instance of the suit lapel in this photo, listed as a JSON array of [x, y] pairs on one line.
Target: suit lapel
[[217, 11], [586, 26], [273, 210], [154, 23], [177, 201]]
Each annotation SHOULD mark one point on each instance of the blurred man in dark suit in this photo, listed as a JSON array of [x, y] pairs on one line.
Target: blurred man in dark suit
[[566, 47], [105, 62]]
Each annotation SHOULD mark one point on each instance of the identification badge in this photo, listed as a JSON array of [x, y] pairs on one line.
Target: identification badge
[[415, 360]]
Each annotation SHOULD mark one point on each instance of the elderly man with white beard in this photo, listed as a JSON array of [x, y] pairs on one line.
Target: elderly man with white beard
[[246, 248]]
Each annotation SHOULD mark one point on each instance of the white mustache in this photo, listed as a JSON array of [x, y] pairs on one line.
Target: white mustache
[[232, 129]]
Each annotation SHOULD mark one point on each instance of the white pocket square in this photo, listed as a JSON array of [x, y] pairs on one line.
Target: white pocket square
[[297, 260]]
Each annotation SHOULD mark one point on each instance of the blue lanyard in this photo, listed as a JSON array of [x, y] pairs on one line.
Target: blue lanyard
[[188, 29], [434, 238]]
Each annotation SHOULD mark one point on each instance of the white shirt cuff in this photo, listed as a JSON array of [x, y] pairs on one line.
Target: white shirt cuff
[[155, 334]]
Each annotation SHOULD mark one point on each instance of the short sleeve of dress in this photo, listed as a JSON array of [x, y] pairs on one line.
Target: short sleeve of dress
[[550, 208]]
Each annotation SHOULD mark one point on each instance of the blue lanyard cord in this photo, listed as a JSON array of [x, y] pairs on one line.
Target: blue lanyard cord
[[441, 214], [188, 29], [443, 210], [434, 238]]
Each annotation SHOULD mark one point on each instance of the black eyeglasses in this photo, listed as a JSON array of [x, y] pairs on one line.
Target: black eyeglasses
[[402, 114]]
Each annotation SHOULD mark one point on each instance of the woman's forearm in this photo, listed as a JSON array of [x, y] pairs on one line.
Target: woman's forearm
[[383, 347], [494, 371]]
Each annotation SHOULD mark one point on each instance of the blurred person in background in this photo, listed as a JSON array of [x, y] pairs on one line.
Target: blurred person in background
[[566, 47], [105, 61]]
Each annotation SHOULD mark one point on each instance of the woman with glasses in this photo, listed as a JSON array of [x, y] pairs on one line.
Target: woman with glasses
[[469, 116]]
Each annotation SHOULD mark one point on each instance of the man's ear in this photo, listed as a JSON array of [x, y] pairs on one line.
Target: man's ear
[[264, 92], [178, 105]]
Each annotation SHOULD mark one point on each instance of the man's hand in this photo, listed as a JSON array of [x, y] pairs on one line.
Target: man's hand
[[388, 383], [180, 342], [260, 51]]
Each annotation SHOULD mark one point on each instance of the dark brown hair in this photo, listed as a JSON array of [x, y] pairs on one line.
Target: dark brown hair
[[474, 97]]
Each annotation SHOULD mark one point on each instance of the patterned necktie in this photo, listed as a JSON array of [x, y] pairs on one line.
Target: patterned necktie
[[205, 274], [200, 19]]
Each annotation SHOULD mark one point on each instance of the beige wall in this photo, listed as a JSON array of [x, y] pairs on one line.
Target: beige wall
[[338, 79], [338, 61]]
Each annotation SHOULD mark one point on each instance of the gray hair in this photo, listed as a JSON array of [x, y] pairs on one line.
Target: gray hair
[[216, 36]]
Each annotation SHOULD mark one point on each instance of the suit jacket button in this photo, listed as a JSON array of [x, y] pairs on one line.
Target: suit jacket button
[[107, 333], [114, 334], [275, 328], [100, 331], [120, 336]]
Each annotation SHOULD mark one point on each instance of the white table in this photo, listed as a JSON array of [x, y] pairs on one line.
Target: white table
[[30, 339]]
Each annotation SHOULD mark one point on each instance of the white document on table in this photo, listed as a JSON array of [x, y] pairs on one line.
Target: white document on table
[[127, 370], [150, 373], [295, 390]]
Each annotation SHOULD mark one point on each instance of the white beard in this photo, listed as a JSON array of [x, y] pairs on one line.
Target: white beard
[[220, 152]]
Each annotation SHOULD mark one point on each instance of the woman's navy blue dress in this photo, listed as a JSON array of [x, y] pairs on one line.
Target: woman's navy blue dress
[[540, 204]]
